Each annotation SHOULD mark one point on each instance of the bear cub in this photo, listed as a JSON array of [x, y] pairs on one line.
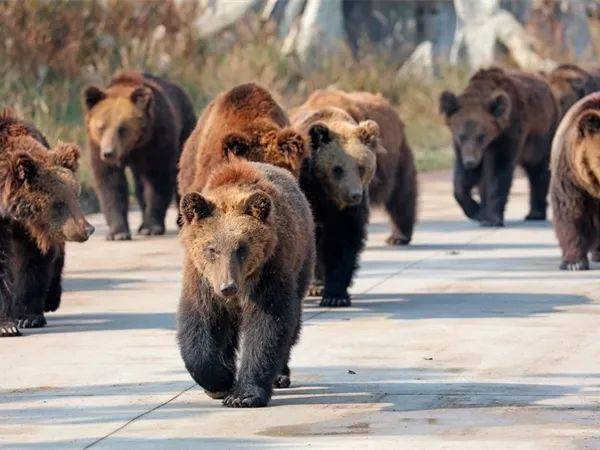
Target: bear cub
[[141, 122], [39, 211], [249, 255], [575, 185]]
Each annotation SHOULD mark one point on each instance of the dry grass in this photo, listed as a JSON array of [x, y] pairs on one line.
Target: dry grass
[[53, 49]]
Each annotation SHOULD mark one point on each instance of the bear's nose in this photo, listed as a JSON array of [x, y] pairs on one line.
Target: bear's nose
[[355, 197], [469, 163], [229, 288], [89, 230], [108, 153]]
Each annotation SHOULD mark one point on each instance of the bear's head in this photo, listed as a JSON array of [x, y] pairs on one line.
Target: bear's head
[[41, 193], [344, 158], [266, 143], [568, 84], [117, 119], [228, 235], [584, 156], [475, 121]]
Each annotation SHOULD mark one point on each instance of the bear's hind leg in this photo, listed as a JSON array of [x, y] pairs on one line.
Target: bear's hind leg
[[539, 181], [402, 206], [158, 193]]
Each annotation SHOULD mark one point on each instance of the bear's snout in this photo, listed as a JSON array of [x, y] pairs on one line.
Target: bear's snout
[[78, 230], [228, 288]]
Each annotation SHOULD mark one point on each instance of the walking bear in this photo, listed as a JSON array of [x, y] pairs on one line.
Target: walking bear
[[571, 83], [249, 255], [359, 155], [575, 186], [141, 122], [244, 122], [39, 211], [503, 118]]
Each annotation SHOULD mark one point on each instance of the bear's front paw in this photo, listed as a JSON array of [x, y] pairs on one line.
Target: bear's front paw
[[491, 222], [151, 230], [575, 265], [8, 328], [536, 215], [315, 290], [32, 321], [397, 239], [247, 398], [282, 382], [118, 236], [335, 301]]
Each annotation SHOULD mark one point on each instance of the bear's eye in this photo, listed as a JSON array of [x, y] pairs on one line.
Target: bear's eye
[[338, 172], [242, 251], [361, 171], [122, 130], [211, 252]]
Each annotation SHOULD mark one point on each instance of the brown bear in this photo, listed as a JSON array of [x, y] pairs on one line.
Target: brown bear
[[570, 83], [141, 122], [503, 118], [39, 211], [244, 122], [575, 185], [249, 256], [359, 155]]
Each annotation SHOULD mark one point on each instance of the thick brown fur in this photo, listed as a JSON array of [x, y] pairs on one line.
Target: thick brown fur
[[245, 122], [359, 155], [575, 186], [249, 246], [571, 83], [139, 121], [39, 211], [502, 118]]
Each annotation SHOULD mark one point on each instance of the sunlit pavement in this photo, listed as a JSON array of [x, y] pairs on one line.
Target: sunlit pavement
[[470, 338]]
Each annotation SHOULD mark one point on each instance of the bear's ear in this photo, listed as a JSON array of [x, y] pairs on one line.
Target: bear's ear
[[368, 132], [66, 155], [236, 144], [448, 103], [499, 105], [258, 205], [23, 168], [319, 135], [195, 207], [291, 143], [588, 124], [92, 96], [142, 97]]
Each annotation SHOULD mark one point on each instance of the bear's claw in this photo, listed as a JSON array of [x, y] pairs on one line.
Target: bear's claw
[[335, 302], [8, 328], [32, 321], [397, 239], [282, 382], [536, 215], [244, 400], [575, 265], [119, 236], [151, 230]]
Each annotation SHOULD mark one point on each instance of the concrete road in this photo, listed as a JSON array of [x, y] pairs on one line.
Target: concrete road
[[468, 339]]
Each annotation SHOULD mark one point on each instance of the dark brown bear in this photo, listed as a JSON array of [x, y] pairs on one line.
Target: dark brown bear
[[140, 122], [244, 122], [575, 186], [358, 145], [249, 255], [571, 83], [39, 211], [503, 118]]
